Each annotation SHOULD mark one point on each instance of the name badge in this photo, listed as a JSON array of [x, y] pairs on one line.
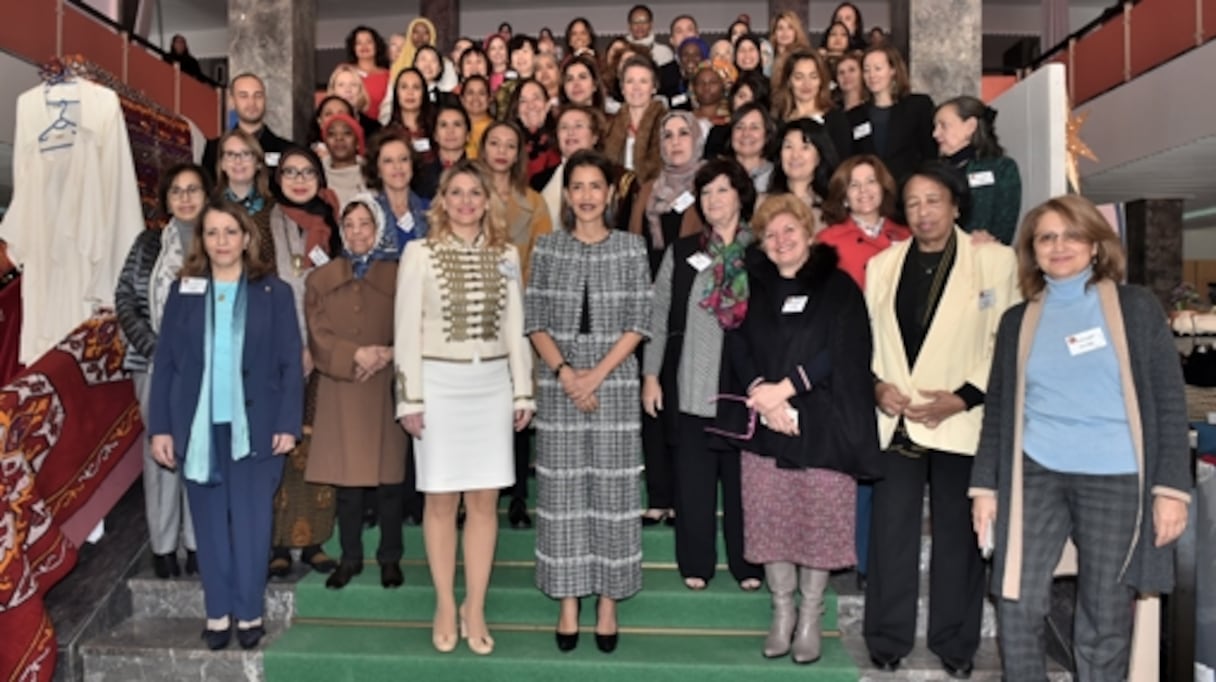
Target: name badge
[[987, 299], [1086, 341], [700, 261], [981, 179], [318, 256], [679, 100], [272, 158], [406, 223], [511, 74], [682, 202], [193, 286], [793, 305], [862, 130], [423, 145]]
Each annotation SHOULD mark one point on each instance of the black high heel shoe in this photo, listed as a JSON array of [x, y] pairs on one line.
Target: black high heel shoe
[[217, 639], [606, 643], [165, 565], [568, 642], [345, 571], [517, 514]]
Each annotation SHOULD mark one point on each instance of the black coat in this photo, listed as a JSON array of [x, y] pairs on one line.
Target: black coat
[[909, 139], [827, 344]]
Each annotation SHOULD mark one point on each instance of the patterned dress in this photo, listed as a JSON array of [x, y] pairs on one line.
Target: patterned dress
[[588, 466]]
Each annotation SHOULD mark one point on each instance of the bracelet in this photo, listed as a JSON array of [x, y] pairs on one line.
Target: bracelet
[[557, 371]]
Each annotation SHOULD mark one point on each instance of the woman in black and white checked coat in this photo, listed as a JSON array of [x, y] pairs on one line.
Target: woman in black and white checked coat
[[587, 308]]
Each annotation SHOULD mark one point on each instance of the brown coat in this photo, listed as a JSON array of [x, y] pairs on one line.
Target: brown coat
[[355, 442], [527, 219], [690, 223], [646, 161]]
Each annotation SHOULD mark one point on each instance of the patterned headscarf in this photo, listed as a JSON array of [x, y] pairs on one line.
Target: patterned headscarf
[[673, 181], [385, 246]]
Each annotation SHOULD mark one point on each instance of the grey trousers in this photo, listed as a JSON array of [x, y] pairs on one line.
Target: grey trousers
[[1099, 514], [164, 492]]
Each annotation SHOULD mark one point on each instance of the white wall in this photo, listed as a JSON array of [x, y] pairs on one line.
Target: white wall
[[1199, 244], [1032, 125]]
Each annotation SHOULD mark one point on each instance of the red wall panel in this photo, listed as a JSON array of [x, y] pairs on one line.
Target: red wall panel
[[201, 104], [99, 44], [1098, 61], [150, 74], [1161, 30], [28, 30]]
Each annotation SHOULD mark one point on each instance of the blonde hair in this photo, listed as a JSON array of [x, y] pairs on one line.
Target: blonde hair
[[1077, 213], [776, 204], [361, 99], [493, 223]]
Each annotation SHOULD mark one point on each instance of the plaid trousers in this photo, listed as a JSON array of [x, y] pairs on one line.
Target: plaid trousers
[[1099, 513]]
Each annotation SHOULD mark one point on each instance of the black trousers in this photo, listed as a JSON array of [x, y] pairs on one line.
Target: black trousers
[[700, 464], [523, 457], [657, 456], [390, 508], [413, 501], [956, 569]]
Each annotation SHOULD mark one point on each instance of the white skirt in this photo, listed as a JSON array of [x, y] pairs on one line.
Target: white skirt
[[467, 442]]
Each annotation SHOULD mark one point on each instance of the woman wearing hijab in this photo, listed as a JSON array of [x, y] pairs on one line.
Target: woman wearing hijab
[[662, 214], [304, 228], [358, 448], [419, 33]]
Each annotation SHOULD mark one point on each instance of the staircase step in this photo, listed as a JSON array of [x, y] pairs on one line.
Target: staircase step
[[923, 666], [513, 598], [153, 597], [169, 650], [360, 652], [850, 614]]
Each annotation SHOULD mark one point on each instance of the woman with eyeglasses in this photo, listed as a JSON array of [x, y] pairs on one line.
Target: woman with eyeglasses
[[304, 226], [139, 302], [801, 359], [244, 179]]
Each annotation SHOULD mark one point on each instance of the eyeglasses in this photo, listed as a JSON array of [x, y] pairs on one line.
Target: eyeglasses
[[183, 192], [299, 173], [751, 418], [243, 155]]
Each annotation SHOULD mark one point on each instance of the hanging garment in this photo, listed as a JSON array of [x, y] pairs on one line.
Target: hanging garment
[[75, 209]]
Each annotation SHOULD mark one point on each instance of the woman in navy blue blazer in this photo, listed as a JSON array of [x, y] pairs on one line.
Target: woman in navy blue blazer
[[226, 400]]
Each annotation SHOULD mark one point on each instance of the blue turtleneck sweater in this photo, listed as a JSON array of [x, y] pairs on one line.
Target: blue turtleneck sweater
[[1075, 418]]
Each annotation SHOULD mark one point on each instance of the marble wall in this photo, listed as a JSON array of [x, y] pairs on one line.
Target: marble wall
[[944, 47], [1154, 245], [277, 40], [445, 14]]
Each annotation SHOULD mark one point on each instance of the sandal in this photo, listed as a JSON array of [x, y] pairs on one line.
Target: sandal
[[653, 517], [750, 584], [695, 584]]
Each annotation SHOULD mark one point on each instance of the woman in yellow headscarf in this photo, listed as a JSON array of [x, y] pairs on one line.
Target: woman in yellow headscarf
[[419, 33]]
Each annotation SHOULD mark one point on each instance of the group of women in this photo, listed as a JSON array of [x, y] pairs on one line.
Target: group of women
[[803, 276]]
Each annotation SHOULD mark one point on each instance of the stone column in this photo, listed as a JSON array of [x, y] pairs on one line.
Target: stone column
[[942, 40], [277, 40], [445, 14], [801, 8], [1154, 245]]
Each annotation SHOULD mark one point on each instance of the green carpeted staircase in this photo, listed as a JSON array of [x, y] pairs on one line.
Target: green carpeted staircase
[[366, 633]]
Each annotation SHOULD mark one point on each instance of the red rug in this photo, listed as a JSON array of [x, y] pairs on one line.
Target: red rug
[[64, 423]]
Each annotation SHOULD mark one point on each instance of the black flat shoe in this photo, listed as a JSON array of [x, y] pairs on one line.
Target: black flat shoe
[[517, 514], [957, 671], [191, 562], [249, 638], [165, 565], [607, 643], [316, 557], [217, 639], [343, 574], [390, 575], [888, 665]]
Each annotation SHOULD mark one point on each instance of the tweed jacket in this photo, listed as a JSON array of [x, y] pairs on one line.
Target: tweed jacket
[[1155, 401], [131, 301]]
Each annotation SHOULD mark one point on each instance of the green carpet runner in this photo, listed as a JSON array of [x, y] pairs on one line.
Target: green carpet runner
[[668, 632]]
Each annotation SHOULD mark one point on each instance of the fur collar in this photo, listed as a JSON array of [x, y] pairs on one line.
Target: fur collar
[[646, 161], [813, 274]]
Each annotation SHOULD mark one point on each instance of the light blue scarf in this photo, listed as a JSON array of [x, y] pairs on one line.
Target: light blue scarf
[[199, 467]]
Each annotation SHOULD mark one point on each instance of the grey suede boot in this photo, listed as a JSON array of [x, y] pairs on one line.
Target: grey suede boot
[[782, 578], [811, 582]]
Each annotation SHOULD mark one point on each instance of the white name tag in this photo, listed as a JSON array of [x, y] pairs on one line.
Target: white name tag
[[700, 261], [987, 299], [981, 179], [863, 130], [793, 304], [682, 202], [272, 158], [679, 100], [423, 145], [193, 286], [318, 256], [511, 74], [406, 223], [1086, 341]]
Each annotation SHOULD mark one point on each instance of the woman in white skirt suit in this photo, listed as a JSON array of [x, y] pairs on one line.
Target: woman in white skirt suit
[[464, 380]]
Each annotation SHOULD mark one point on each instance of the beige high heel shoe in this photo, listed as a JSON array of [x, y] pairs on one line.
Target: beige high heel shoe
[[445, 642], [483, 645]]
